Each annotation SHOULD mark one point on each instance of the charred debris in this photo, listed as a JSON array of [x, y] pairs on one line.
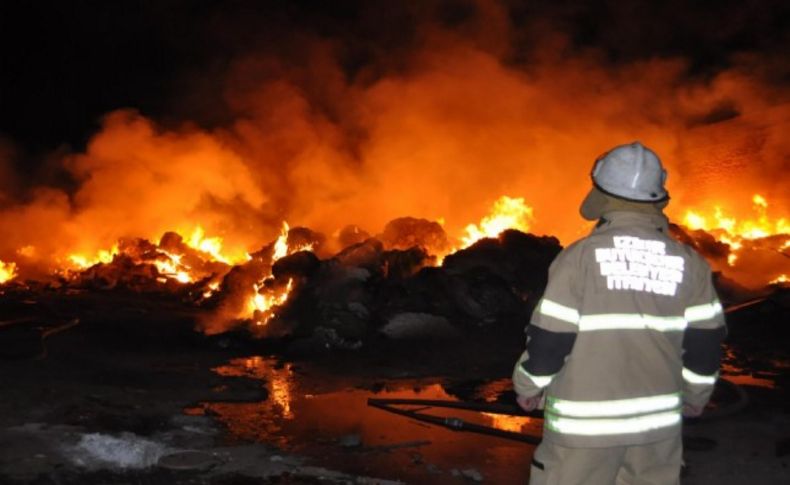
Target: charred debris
[[388, 287]]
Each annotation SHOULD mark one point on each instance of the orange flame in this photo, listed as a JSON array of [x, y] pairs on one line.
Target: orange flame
[[7, 271], [263, 304], [174, 268], [281, 245], [170, 265], [507, 213], [260, 307], [734, 232], [213, 246], [212, 287], [80, 261], [781, 279]]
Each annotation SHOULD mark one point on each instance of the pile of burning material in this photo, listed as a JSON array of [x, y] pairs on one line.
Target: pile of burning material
[[755, 252], [142, 266], [751, 269], [411, 279], [374, 285]]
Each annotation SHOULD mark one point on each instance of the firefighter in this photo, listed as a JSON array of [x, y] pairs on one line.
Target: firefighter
[[625, 340]]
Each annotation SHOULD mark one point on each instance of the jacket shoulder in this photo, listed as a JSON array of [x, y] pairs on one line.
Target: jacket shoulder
[[573, 251]]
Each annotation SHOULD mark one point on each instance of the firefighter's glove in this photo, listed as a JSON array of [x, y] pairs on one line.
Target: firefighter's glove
[[529, 403], [691, 411]]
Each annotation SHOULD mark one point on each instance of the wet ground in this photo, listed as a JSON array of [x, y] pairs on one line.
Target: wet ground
[[146, 404], [333, 423]]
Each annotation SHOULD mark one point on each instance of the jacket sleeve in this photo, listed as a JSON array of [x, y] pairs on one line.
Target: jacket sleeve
[[553, 327], [702, 341]]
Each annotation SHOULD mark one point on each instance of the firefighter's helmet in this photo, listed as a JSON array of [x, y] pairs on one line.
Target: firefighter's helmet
[[632, 172]]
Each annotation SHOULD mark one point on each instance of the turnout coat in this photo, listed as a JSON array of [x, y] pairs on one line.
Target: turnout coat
[[628, 330]]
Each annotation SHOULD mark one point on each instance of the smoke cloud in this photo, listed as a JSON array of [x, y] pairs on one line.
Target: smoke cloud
[[437, 121]]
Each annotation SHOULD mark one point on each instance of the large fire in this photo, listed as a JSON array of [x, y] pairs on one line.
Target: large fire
[[438, 128], [183, 258], [440, 133], [198, 258]]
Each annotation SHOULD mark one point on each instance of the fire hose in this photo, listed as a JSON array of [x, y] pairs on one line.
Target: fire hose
[[458, 424]]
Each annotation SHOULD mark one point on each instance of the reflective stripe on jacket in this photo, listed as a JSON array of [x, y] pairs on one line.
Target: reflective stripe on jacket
[[628, 329]]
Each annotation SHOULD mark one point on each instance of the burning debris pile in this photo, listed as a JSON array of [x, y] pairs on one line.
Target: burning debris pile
[[753, 252], [410, 280], [371, 287]]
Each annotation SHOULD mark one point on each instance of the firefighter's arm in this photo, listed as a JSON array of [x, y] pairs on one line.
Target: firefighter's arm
[[553, 328], [702, 341], [542, 360]]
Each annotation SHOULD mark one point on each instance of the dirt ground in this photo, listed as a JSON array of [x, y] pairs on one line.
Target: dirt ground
[[136, 402]]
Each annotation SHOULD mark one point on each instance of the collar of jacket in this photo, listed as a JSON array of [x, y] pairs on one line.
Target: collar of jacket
[[657, 221]]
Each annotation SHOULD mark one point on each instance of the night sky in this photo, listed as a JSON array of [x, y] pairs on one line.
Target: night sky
[[65, 64]]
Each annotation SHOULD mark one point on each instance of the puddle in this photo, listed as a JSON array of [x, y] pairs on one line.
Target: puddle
[[734, 369], [319, 423], [324, 415]]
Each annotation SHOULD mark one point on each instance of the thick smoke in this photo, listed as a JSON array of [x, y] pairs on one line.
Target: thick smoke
[[468, 105]]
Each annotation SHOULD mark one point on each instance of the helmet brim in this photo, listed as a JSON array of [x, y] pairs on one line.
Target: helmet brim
[[593, 205], [598, 202]]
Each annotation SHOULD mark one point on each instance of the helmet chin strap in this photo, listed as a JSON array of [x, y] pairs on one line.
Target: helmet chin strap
[[598, 202]]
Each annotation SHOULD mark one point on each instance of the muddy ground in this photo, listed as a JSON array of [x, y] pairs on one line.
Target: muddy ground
[[133, 396]]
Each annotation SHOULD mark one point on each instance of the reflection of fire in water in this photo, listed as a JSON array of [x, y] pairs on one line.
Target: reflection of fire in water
[[281, 391], [508, 423], [278, 379], [734, 232], [734, 372], [490, 392]]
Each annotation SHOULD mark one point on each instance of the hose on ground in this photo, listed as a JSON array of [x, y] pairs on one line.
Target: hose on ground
[[457, 424]]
